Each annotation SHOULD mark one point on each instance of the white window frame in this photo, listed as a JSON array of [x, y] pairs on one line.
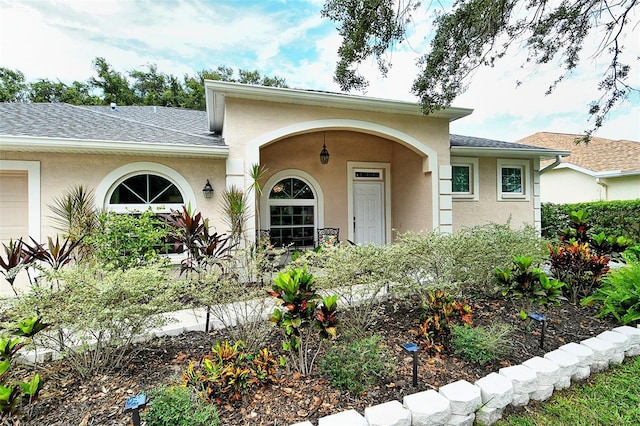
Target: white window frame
[[317, 202], [119, 175], [474, 175], [525, 166]]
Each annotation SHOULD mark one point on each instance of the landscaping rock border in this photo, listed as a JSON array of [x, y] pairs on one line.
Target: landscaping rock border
[[483, 402]]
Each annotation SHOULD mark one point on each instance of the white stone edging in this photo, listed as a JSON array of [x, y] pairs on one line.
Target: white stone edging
[[464, 404]]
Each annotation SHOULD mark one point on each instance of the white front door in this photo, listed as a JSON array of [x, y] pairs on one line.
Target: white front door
[[368, 206]]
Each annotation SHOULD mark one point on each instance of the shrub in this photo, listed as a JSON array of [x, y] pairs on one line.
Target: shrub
[[578, 267], [357, 365], [440, 312], [481, 249], [179, 406], [359, 276], [611, 217], [237, 304], [524, 282], [128, 240], [422, 261], [96, 314], [619, 294], [229, 372], [481, 345], [304, 313], [75, 215]]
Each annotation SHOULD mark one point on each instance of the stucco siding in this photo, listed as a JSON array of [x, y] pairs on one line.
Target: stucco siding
[[569, 186], [487, 208], [59, 172], [411, 193], [247, 120], [410, 187], [623, 188]]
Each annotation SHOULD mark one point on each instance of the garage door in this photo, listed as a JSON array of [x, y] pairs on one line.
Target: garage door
[[14, 205]]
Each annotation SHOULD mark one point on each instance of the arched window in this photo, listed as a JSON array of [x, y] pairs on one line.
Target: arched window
[[141, 191], [292, 213]]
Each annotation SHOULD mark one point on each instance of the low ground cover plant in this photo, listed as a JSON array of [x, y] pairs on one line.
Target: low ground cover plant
[[619, 295], [172, 405], [229, 372], [13, 392], [481, 345], [356, 365]]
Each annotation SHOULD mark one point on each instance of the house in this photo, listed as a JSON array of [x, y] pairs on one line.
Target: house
[[602, 170], [385, 166]]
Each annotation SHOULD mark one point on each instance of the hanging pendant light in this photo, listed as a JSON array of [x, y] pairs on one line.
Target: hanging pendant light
[[324, 154]]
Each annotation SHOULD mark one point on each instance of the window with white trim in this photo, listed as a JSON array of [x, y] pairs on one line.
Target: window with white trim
[[514, 182], [140, 192], [464, 178], [292, 213]]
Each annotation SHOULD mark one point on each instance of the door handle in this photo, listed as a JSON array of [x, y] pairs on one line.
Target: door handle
[[354, 226]]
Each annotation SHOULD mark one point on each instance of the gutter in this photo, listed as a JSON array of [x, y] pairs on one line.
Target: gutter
[[557, 161], [84, 146]]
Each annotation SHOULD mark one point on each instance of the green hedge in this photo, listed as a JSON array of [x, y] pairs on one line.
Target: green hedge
[[614, 218]]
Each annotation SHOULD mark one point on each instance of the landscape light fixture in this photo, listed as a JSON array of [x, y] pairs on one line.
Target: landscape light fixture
[[542, 320], [207, 191], [412, 348], [324, 154], [133, 405]]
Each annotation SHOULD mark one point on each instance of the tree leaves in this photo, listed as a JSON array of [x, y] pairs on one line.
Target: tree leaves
[[477, 33]]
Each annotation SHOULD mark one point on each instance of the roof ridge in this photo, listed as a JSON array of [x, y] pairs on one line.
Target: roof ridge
[[83, 107]]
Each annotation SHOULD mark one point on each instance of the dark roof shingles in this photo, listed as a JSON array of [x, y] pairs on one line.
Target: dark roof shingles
[[474, 142], [126, 123]]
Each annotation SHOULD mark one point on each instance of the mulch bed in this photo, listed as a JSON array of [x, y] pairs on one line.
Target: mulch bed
[[68, 400]]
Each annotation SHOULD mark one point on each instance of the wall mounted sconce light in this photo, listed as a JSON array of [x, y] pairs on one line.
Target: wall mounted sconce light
[[207, 191], [324, 154]]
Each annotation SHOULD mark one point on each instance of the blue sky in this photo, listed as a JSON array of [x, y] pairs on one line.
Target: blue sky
[[58, 39]]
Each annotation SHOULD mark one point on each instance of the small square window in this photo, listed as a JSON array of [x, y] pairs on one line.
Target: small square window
[[514, 182], [464, 178], [461, 179]]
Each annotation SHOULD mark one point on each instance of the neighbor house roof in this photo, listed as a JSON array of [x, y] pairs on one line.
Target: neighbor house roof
[[59, 127], [602, 157], [469, 145]]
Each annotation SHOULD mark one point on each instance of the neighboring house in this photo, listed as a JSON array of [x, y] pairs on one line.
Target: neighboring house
[[603, 169], [390, 168]]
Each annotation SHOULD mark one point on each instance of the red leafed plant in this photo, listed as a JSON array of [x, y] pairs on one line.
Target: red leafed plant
[[441, 311], [575, 264]]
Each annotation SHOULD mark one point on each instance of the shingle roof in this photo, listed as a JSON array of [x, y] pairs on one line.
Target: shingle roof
[[599, 155], [146, 124], [473, 142]]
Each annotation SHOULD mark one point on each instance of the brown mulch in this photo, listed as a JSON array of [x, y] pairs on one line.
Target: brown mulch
[[67, 400]]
